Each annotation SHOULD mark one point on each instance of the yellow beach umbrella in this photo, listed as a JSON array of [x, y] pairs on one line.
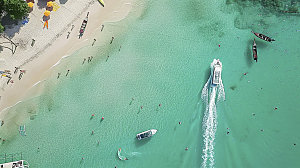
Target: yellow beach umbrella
[[47, 13], [30, 4], [50, 4]]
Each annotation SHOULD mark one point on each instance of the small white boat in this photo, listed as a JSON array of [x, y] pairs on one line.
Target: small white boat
[[216, 72], [146, 134], [120, 156], [16, 164]]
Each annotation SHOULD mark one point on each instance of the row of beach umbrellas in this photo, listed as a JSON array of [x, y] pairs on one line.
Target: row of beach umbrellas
[[49, 5]]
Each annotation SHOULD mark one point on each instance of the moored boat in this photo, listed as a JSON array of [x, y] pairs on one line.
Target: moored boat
[[101, 2], [146, 134], [216, 72], [120, 156], [15, 164], [83, 25], [263, 37], [254, 50]]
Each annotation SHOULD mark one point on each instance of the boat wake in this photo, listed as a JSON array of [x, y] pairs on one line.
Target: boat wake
[[210, 95]]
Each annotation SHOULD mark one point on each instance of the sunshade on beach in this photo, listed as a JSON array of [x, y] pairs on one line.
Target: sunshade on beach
[[30, 4], [47, 13], [49, 4]]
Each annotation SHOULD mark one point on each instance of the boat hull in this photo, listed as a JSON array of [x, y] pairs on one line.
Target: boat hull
[[216, 72], [101, 2], [146, 134]]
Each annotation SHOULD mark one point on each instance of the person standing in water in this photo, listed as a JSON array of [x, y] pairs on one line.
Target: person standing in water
[[94, 42], [112, 39], [68, 72]]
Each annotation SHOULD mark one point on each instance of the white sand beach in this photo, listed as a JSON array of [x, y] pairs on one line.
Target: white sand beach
[[51, 44]]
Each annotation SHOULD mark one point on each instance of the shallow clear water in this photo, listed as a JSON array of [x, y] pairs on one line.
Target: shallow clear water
[[165, 59]]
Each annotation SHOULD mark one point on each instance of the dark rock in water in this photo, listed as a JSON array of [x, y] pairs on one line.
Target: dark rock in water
[[287, 6], [233, 87]]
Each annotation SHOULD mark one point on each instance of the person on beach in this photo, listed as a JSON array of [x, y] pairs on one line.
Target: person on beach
[[8, 80], [112, 39], [83, 60], [16, 70], [72, 27], [102, 27], [68, 35], [89, 59], [68, 72], [32, 43], [20, 76], [94, 42], [58, 74]]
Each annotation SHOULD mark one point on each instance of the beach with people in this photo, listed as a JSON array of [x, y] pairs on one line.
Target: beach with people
[[50, 45]]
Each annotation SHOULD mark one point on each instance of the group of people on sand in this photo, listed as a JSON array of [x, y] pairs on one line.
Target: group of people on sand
[[7, 73]]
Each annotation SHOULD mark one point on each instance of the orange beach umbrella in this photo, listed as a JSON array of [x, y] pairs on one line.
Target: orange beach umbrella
[[47, 13], [50, 4], [30, 4]]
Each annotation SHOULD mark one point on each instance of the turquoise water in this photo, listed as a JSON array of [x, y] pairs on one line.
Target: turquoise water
[[165, 59]]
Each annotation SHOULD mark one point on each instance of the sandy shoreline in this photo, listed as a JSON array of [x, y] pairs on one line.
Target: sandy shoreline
[[39, 59]]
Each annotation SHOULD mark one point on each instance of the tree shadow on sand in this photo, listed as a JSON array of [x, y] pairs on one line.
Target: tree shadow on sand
[[11, 26]]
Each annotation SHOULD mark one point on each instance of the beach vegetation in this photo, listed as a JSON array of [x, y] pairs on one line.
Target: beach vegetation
[[1, 28], [15, 9]]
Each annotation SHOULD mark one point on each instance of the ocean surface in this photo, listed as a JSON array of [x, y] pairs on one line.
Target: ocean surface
[[163, 56]]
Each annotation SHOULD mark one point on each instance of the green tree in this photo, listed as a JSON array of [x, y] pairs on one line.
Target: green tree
[[1, 28], [16, 9]]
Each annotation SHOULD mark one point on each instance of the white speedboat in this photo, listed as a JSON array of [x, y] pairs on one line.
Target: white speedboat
[[216, 72], [146, 134], [16, 164]]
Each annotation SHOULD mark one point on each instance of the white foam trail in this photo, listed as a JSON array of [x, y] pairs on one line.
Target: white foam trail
[[209, 123]]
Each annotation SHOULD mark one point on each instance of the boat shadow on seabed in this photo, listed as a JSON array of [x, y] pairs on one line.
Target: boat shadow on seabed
[[141, 143]]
